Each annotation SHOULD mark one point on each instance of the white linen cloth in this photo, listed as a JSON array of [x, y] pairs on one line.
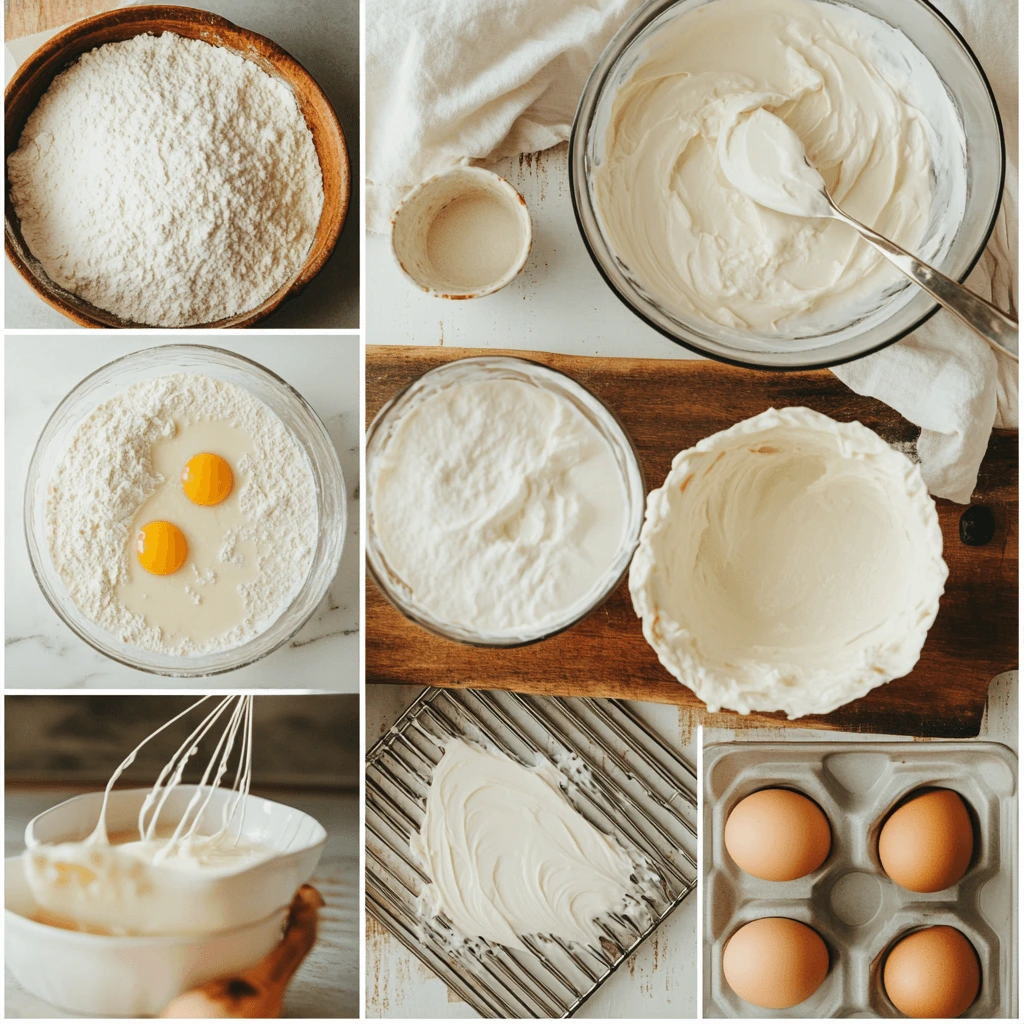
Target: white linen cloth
[[451, 80], [944, 377]]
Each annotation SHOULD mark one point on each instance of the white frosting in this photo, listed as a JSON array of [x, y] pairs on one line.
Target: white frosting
[[498, 506], [121, 888], [509, 856], [872, 115], [763, 158], [789, 563]]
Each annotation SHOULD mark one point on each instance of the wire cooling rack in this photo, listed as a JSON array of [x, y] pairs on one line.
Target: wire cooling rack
[[620, 776]]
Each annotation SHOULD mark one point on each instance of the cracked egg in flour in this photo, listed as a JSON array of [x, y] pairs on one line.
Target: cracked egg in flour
[[790, 563]]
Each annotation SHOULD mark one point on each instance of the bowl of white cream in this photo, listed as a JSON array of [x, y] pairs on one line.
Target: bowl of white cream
[[790, 563], [505, 501], [892, 108], [132, 886]]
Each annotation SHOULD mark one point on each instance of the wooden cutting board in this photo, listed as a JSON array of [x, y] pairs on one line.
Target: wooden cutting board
[[669, 405]]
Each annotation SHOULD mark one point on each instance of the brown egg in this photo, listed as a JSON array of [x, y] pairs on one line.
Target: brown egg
[[775, 962], [777, 835], [927, 844], [932, 973]]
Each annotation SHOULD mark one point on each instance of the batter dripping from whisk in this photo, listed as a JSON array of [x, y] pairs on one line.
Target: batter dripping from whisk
[[104, 883]]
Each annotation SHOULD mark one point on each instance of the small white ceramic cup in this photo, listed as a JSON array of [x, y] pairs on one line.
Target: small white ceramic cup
[[461, 234]]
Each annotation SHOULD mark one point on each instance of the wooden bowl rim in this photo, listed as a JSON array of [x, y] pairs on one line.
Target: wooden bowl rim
[[141, 16]]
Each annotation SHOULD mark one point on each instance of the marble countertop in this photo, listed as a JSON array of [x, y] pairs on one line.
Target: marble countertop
[[327, 983], [40, 651], [323, 36]]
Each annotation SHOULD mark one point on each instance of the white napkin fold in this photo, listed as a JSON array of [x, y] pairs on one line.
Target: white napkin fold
[[944, 377], [453, 79], [449, 80]]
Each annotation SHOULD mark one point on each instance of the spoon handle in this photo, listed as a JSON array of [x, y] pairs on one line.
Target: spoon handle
[[996, 327]]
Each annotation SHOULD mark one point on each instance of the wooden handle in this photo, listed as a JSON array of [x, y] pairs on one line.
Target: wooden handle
[[258, 992]]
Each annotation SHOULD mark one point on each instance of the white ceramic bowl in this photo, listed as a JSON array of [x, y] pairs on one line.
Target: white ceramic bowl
[[119, 976], [198, 903], [415, 216], [285, 402]]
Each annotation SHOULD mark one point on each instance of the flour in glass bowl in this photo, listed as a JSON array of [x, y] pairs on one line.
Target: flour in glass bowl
[[167, 181], [108, 475]]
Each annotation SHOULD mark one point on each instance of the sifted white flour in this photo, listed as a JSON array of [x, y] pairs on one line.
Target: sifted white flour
[[167, 181], [107, 474]]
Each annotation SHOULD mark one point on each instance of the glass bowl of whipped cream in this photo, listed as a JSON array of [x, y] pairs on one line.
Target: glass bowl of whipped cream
[[109, 465], [504, 503], [893, 109]]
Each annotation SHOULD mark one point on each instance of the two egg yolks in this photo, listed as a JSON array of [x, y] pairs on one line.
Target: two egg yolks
[[161, 546]]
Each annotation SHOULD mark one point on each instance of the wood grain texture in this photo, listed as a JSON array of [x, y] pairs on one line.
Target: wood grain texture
[[26, 17], [666, 406], [35, 75]]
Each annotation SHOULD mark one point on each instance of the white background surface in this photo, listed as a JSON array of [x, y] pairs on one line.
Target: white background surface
[[41, 652], [323, 36]]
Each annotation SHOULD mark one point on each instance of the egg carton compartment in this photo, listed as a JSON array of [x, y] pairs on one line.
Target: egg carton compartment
[[618, 774], [851, 903]]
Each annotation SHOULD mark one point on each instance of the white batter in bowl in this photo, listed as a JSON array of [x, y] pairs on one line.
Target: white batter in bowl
[[706, 265], [504, 504], [790, 563]]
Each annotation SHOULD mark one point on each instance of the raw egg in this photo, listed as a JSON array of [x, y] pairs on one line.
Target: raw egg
[[775, 962], [207, 479], [161, 547], [932, 973], [778, 835], [927, 843]]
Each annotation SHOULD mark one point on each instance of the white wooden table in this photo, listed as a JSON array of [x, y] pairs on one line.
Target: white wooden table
[[559, 304], [40, 651], [327, 983]]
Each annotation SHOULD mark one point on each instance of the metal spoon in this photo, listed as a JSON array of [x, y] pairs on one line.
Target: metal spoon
[[999, 329], [766, 160]]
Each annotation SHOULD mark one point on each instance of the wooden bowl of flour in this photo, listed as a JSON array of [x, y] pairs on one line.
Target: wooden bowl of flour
[[34, 77]]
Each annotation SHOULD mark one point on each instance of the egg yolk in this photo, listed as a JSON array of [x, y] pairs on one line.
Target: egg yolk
[[161, 547], [207, 479]]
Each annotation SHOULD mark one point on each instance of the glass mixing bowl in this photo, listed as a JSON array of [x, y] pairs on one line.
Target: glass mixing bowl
[[906, 307], [503, 368], [290, 407]]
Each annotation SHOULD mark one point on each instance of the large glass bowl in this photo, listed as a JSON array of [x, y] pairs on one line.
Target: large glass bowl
[[907, 307], [290, 407], [379, 435]]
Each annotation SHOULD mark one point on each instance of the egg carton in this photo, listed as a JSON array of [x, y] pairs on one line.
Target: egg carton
[[849, 901]]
